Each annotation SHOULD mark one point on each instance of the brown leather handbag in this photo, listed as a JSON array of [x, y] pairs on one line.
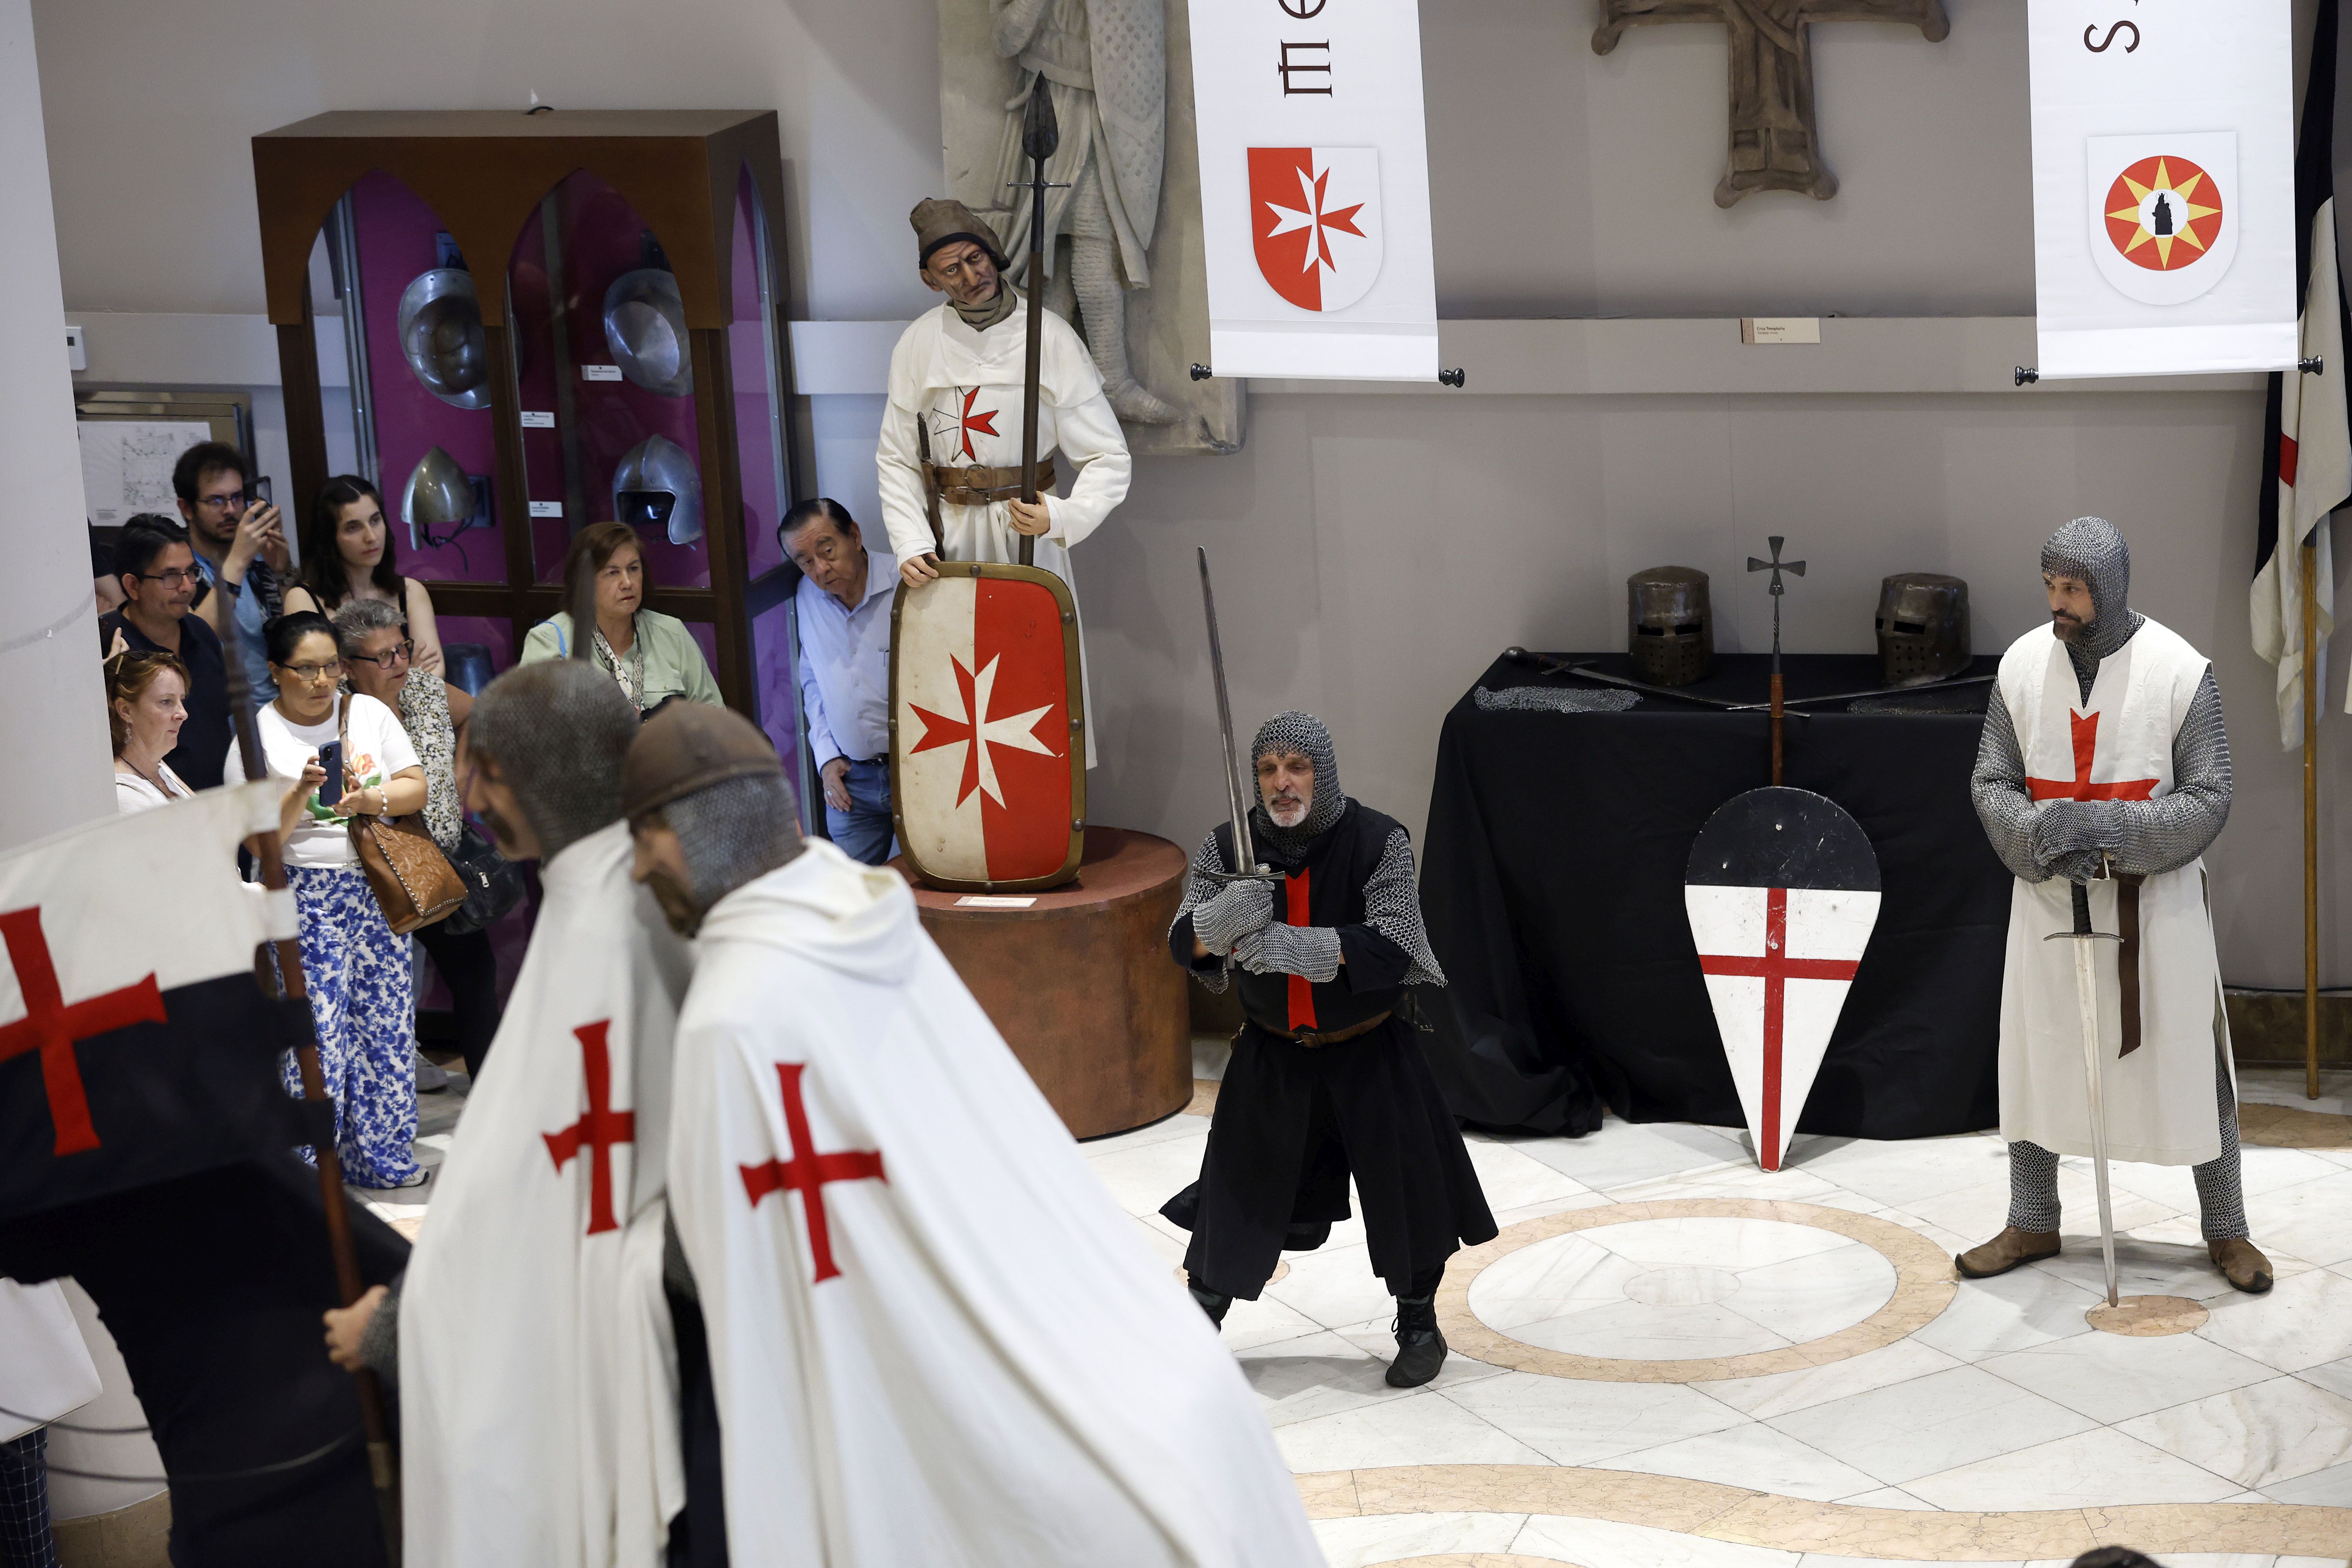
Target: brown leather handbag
[[413, 882]]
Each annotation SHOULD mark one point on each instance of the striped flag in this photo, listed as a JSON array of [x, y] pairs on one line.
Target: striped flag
[[2307, 455]]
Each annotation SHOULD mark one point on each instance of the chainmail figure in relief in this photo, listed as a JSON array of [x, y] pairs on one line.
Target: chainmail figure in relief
[[557, 732]]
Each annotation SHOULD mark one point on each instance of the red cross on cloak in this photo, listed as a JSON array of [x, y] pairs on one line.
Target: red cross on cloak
[[599, 1127], [808, 1172], [51, 1027], [2083, 729], [1776, 968]]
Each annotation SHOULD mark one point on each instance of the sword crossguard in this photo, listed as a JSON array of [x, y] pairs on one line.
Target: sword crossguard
[[1262, 874], [2083, 936]]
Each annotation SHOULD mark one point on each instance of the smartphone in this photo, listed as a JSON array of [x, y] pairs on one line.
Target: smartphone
[[261, 489], [330, 757]]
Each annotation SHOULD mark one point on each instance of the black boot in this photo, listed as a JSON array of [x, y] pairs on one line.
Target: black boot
[[1420, 1349], [1210, 1300]]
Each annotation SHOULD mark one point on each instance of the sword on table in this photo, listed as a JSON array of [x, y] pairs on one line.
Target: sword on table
[[2086, 1001], [1246, 867]]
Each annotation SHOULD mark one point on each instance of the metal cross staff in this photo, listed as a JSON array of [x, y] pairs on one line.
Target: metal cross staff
[[1776, 566]]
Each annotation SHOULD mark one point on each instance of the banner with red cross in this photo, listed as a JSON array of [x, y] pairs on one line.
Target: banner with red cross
[[1782, 894], [135, 1045]]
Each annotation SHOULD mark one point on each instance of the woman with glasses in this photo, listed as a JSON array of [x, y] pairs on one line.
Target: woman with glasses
[[652, 657], [379, 662], [146, 703], [347, 555], [357, 970]]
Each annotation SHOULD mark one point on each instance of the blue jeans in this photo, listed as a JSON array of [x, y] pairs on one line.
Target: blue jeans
[[863, 832]]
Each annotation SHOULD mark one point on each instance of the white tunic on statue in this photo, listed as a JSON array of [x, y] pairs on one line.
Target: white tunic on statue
[[537, 1382], [2160, 1103], [934, 1337], [965, 387]]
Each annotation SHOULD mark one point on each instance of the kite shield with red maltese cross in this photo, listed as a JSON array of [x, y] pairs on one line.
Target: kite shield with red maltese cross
[[988, 773], [1782, 893]]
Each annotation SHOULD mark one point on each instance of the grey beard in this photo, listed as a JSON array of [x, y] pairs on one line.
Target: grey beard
[[983, 316]]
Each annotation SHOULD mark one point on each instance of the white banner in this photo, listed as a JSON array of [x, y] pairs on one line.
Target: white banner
[[1315, 188], [2163, 185]]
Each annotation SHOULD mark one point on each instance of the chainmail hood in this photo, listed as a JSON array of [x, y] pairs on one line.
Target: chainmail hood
[[2092, 549], [1305, 734], [733, 831], [556, 730]]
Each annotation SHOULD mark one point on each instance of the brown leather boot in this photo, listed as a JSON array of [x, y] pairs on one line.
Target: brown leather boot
[[2242, 1263], [2005, 1252]]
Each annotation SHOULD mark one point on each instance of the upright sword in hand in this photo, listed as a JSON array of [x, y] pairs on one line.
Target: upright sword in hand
[[2086, 1001], [1246, 868]]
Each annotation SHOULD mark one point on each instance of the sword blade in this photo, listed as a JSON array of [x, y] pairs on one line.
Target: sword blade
[[2086, 997], [1244, 854]]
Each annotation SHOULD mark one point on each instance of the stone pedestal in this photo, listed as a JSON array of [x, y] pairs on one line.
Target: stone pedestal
[[1079, 983]]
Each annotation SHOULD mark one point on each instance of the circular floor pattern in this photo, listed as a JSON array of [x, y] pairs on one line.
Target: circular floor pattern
[[2147, 1317], [1476, 1559], [1626, 1292]]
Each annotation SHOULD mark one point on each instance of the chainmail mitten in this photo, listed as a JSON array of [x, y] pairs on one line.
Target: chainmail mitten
[[2092, 549], [2063, 827], [1309, 950], [1234, 910], [734, 831], [556, 732], [1306, 735], [380, 1341]]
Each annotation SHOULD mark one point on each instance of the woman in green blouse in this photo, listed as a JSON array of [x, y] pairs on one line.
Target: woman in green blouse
[[651, 656]]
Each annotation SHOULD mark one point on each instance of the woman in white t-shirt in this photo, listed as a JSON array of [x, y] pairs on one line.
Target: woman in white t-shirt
[[356, 970], [146, 703]]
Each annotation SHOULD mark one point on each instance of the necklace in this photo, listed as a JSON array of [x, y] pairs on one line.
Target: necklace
[[155, 778]]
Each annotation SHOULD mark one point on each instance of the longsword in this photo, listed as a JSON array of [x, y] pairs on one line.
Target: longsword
[[1246, 867], [2086, 1001]]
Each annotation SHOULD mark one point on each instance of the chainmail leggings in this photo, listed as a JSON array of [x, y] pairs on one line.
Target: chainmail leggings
[[2221, 1196]]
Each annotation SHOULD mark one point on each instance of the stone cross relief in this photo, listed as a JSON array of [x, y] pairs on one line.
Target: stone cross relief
[[1774, 146]]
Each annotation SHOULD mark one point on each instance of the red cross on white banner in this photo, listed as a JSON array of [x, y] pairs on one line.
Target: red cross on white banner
[[52, 1026], [2083, 731], [808, 1172], [600, 1127]]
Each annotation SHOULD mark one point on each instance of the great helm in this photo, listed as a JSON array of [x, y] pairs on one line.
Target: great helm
[[1669, 629], [645, 328], [441, 337], [656, 486], [1923, 627]]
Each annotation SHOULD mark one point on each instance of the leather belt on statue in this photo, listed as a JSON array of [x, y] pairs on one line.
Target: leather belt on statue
[[979, 487], [2127, 955], [1310, 1038]]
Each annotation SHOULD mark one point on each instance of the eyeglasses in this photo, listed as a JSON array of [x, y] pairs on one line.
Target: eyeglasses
[[330, 670], [177, 577], [391, 658], [232, 501]]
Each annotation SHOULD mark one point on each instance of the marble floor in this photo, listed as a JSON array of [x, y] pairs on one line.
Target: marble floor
[[1669, 1359]]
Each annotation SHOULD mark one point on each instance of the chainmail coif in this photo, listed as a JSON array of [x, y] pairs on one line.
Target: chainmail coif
[[734, 831], [2092, 549], [556, 732], [1308, 736]]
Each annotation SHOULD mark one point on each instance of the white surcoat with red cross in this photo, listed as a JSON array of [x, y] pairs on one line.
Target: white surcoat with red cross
[[2160, 1102]]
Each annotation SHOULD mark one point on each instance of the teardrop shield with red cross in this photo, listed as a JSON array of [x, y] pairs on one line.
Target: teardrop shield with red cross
[[1782, 893], [988, 778]]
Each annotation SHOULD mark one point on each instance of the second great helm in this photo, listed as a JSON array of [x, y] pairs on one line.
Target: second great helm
[[1923, 627], [1669, 629], [656, 486]]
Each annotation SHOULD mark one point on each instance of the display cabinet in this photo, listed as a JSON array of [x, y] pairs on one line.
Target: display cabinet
[[549, 319]]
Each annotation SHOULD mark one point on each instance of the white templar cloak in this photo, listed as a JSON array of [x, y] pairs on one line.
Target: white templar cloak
[[965, 387], [538, 1381], [2159, 1099], [935, 1338]]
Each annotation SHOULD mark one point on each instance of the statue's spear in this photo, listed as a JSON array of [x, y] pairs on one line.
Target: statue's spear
[[1040, 135]]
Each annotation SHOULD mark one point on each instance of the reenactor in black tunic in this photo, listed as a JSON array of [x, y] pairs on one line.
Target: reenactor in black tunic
[[1327, 1079]]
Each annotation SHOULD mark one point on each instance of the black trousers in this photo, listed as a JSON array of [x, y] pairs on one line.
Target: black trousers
[[470, 970], [698, 1536]]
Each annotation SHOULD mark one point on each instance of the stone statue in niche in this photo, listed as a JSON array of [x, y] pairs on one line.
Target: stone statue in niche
[[1774, 146], [1124, 261]]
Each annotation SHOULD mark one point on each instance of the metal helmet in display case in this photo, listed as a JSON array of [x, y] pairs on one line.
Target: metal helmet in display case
[[441, 337], [1923, 627], [438, 497], [1669, 628], [645, 328], [657, 486]]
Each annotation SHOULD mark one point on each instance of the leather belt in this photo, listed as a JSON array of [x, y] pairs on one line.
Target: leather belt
[[2127, 955], [1311, 1038], [979, 487]]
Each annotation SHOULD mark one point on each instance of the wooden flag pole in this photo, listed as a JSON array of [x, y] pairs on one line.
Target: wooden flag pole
[[383, 1464], [2311, 816]]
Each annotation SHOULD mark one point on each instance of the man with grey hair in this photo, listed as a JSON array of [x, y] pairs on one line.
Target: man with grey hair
[[2105, 765], [535, 1354], [933, 1337]]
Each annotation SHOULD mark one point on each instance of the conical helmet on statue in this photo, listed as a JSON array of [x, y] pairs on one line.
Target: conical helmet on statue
[[1923, 627], [1669, 626]]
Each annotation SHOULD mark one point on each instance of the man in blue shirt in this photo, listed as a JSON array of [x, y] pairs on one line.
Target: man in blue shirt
[[842, 605], [240, 548]]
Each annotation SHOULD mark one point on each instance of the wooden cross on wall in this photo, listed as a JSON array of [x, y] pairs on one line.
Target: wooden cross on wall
[[1774, 146]]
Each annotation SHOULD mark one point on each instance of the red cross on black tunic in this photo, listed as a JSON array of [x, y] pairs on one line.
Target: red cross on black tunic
[[808, 1172], [599, 1127], [51, 1027], [1776, 968]]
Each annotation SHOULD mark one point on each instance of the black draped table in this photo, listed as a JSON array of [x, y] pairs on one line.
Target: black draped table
[[1552, 881]]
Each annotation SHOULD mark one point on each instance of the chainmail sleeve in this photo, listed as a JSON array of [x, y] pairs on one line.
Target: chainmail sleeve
[[1998, 786], [1392, 910], [2148, 836], [1214, 972]]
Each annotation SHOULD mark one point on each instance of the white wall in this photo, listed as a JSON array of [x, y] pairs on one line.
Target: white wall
[[1373, 552]]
